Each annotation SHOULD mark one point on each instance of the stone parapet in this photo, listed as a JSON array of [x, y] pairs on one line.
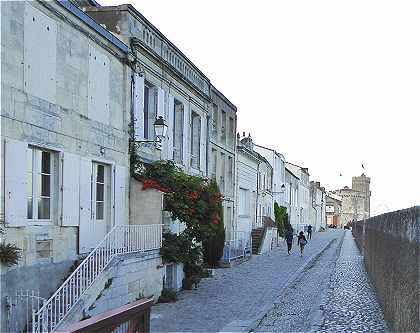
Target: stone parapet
[[390, 244]]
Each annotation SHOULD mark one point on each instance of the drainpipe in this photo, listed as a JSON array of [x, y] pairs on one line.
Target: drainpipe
[[258, 187], [314, 207], [208, 146]]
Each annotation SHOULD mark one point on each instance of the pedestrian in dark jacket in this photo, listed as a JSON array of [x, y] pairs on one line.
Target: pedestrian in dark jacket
[[302, 242], [309, 231], [289, 239]]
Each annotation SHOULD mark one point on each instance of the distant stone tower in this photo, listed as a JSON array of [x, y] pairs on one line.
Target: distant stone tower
[[362, 184]]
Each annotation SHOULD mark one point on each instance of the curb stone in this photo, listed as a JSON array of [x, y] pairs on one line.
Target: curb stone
[[250, 325]]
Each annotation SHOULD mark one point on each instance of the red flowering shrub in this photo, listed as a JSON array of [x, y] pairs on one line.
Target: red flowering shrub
[[193, 200]]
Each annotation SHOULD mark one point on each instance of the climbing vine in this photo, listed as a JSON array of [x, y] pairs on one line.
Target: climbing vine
[[194, 201]]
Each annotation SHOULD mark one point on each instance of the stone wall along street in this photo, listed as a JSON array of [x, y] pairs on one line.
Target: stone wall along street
[[390, 244]]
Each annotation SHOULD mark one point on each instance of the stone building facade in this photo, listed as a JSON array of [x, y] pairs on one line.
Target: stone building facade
[[64, 139], [165, 84], [292, 197], [80, 82], [277, 161], [222, 161], [333, 210], [355, 200], [317, 214], [251, 165], [303, 194]]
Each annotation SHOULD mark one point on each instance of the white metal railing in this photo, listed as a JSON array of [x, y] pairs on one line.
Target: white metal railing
[[120, 240], [238, 247], [258, 223], [20, 308]]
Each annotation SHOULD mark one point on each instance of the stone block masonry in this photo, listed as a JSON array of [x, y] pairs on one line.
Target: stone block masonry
[[390, 244]]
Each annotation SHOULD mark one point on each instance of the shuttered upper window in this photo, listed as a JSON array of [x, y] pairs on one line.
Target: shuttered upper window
[[150, 110], [178, 133], [195, 130]]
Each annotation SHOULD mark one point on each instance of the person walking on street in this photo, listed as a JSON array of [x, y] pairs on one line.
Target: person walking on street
[[289, 239], [309, 232], [302, 242]]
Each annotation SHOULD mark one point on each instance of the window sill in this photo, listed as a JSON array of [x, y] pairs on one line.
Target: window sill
[[34, 223]]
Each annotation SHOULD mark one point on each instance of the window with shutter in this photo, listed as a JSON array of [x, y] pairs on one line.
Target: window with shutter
[[178, 133], [150, 110], [120, 185], [214, 163], [138, 106], [222, 172], [195, 130], [70, 189], [230, 175], [40, 175], [15, 183]]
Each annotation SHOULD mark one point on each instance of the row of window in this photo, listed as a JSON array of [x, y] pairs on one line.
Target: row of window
[[225, 176], [245, 204], [226, 135], [150, 112], [292, 195], [42, 185], [264, 181]]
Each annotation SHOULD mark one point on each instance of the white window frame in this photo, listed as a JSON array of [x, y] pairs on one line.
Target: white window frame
[[94, 190], [34, 180]]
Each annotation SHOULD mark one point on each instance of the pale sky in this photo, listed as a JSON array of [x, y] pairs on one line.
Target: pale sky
[[329, 84]]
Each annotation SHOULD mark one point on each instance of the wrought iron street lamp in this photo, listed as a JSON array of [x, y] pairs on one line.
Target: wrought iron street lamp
[[282, 188], [160, 128]]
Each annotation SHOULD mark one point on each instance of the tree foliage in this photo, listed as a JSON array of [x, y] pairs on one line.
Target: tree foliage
[[282, 219], [9, 254]]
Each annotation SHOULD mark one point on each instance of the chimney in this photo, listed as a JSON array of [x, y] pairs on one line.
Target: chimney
[[247, 142]]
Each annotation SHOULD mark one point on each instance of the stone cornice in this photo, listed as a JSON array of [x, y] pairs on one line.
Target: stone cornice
[[159, 46]]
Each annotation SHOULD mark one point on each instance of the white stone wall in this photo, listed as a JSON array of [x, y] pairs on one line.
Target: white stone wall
[[222, 155], [292, 205], [269, 241], [145, 206], [265, 197], [276, 161], [66, 122], [130, 278], [247, 168], [50, 85]]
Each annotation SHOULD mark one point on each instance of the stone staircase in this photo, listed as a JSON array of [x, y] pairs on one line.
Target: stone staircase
[[121, 240], [257, 236]]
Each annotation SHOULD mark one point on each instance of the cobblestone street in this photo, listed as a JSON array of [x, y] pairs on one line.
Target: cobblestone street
[[352, 304], [297, 309], [325, 291], [332, 295], [236, 297]]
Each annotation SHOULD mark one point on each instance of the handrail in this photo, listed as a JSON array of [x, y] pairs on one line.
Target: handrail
[[134, 316], [120, 240]]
